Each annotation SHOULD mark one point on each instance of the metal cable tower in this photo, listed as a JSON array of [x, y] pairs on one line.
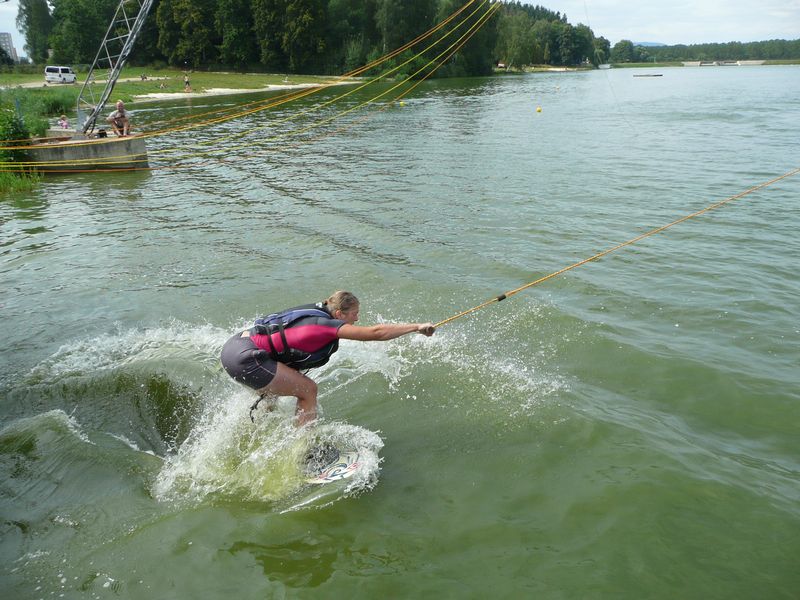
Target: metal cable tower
[[112, 55]]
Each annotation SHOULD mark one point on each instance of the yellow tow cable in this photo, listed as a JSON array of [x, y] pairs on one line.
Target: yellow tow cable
[[617, 247]]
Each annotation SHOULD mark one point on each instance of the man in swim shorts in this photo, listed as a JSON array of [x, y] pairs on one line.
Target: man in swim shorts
[[120, 120]]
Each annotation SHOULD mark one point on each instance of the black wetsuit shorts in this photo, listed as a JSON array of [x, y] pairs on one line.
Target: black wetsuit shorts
[[247, 364]]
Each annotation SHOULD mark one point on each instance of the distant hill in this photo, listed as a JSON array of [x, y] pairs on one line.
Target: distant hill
[[648, 44]]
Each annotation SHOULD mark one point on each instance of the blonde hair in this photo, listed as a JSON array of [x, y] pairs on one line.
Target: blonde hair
[[340, 300]]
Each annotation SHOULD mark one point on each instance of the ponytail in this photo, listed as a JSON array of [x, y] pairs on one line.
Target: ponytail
[[340, 300]]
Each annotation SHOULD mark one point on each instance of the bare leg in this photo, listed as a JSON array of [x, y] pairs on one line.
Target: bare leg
[[288, 382]]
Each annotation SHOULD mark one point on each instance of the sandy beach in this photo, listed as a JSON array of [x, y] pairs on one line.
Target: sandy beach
[[155, 96]]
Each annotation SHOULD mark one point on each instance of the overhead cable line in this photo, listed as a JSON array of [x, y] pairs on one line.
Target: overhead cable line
[[460, 41], [615, 248], [350, 91], [270, 103]]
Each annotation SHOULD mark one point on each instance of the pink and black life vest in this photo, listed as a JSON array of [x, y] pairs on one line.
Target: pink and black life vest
[[274, 326]]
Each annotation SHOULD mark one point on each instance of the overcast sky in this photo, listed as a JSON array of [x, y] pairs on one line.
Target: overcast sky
[[683, 21], [8, 18], [665, 21]]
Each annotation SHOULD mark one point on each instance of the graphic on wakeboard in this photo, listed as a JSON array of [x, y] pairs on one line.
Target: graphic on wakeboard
[[325, 464]]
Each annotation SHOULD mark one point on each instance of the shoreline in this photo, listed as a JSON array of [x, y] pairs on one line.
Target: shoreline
[[158, 96]]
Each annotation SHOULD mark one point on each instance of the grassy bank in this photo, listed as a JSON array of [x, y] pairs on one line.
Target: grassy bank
[[37, 106], [131, 84], [41, 104]]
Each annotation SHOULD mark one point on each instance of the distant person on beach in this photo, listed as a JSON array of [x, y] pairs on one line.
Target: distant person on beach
[[63, 123], [269, 356], [120, 120]]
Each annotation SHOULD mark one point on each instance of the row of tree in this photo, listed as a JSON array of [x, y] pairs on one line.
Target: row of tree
[[626, 51], [767, 50], [309, 36], [336, 36]]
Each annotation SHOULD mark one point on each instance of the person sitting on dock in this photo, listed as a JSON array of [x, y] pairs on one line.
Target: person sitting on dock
[[120, 120]]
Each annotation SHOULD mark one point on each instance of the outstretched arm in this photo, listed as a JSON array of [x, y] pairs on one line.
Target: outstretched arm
[[383, 331]]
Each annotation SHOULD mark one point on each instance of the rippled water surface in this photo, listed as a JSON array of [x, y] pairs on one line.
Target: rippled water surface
[[626, 430]]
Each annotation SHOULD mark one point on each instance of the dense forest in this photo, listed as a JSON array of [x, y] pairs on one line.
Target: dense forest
[[336, 36], [308, 36]]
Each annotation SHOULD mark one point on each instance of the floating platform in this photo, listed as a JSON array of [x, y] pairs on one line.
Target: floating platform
[[64, 150]]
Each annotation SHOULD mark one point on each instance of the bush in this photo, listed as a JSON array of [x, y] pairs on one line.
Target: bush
[[417, 68], [38, 105], [12, 131], [56, 102], [23, 69]]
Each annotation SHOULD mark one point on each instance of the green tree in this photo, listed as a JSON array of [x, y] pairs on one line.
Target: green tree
[[169, 32], [545, 33], [80, 26], [400, 21], [602, 50], [584, 45], [566, 44], [515, 39], [268, 22], [622, 52], [146, 51], [35, 21], [234, 22], [351, 32], [303, 39], [187, 36], [5, 59], [476, 56]]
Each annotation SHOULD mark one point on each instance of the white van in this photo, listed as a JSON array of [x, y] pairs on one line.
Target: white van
[[59, 75]]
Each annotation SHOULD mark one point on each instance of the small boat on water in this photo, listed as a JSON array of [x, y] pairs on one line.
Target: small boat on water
[[83, 149], [649, 75]]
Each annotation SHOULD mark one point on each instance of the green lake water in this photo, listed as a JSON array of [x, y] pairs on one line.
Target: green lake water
[[630, 429]]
